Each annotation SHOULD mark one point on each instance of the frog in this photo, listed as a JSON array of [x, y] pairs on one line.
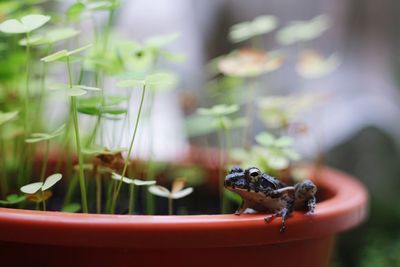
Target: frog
[[261, 192]]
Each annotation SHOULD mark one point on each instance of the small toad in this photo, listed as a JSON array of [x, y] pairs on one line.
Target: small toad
[[263, 193]]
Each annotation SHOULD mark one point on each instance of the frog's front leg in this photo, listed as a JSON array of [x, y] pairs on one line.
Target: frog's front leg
[[242, 209], [311, 205], [284, 213], [286, 195]]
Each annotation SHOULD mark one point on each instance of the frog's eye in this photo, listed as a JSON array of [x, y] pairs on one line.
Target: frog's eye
[[254, 172]]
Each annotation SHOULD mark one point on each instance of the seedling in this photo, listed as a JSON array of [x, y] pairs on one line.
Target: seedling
[[178, 191], [220, 113], [302, 31], [132, 183], [272, 154], [45, 137], [154, 81], [5, 117], [312, 65], [38, 192], [73, 92], [250, 29], [25, 25], [13, 199]]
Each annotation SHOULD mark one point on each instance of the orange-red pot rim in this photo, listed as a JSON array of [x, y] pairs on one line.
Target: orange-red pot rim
[[346, 209]]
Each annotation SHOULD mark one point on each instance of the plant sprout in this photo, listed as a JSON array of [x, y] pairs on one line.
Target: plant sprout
[[38, 192], [272, 154], [249, 29], [220, 114], [74, 91], [249, 62], [155, 81], [132, 183], [105, 161], [45, 137], [176, 192], [4, 118], [301, 31], [25, 25], [12, 200], [311, 64]]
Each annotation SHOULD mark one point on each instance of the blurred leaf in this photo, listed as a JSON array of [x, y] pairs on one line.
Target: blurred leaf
[[39, 137], [127, 180], [75, 11], [246, 30], [7, 116], [218, 110], [51, 36], [182, 193], [12, 199], [73, 207], [51, 181], [31, 188], [300, 31], [159, 190], [55, 56], [26, 24], [78, 50], [161, 40]]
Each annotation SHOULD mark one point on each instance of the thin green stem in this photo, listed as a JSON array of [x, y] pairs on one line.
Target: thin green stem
[[24, 160], [3, 178], [248, 130], [45, 160], [27, 93], [98, 192], [118, 188], [170, 205], [43, 201], [78, 143], [131, 199], [221, 179]]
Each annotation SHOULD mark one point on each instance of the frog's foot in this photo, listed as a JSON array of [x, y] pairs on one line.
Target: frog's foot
[[249, 211], [284, 213]]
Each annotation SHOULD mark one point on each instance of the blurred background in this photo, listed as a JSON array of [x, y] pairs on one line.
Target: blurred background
[[354, 127], [359, 127]]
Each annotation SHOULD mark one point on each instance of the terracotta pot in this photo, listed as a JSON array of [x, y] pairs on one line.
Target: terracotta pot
[[36, 238]]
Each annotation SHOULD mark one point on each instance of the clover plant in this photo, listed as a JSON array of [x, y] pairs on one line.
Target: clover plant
[[98, 85]]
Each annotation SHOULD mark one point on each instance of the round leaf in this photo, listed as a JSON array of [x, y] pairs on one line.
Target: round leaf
[[76, 91], [33, 22], [55, 56], [159, 190], [31, 188], [51, 180], [7, 116], [183, 193], [143, 183], [118, 177], [12, 26]]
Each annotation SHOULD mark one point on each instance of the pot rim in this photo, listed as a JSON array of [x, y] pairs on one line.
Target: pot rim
[[345, 209]]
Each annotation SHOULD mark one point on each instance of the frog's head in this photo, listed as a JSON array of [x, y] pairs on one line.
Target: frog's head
[[236, 179], [306, 189], [239, 179]]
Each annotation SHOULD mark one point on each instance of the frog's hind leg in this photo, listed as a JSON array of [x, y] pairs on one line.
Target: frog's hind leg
[[284, 213]]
